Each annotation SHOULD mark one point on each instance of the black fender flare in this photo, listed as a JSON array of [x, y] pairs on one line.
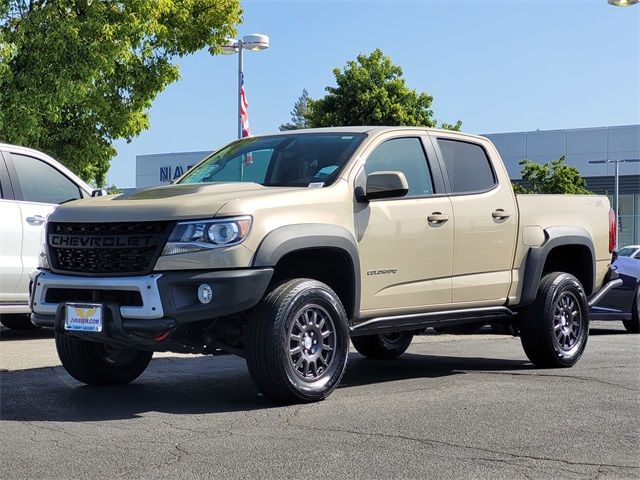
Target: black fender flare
[[291, 238], [537, 256]]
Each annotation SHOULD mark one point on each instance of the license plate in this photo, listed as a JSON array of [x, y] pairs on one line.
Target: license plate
[[83, 317]]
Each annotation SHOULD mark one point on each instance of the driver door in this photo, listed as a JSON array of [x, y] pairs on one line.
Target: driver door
[[406, 243]]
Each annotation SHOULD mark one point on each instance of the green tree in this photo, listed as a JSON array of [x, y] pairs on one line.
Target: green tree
[[372, 91], [114, 190], [553, 177], [75, 75], [298, 114]]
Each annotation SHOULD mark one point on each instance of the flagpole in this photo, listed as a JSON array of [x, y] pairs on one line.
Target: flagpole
[[240, 74], [240, 82]]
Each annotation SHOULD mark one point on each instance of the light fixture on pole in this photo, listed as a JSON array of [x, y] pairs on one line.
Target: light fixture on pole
[[616, 184], [622, 3], [255, 42]]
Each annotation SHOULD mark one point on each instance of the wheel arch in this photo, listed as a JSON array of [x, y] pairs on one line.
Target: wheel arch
[[289, 245], [562, 243]]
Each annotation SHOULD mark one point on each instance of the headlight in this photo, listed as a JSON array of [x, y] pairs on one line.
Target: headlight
[[188, 237], [43, 259]]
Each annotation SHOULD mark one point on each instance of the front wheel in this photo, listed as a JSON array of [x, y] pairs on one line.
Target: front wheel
[[100, 364], [383, 345], [555, 328], [298, 342]]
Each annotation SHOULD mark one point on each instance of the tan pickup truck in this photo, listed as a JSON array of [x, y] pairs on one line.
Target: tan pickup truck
[[281, 248]]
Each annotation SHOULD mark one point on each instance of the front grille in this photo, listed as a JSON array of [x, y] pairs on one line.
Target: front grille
[[106, 248]]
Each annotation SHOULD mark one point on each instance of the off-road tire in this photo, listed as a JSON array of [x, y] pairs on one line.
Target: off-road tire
[[633, 325], [547, 325], [275, 332], [96, 363], [383, 346], [17, 321]]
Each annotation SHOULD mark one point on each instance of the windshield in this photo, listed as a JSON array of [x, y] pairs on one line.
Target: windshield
[[626, 252], [294, 160]]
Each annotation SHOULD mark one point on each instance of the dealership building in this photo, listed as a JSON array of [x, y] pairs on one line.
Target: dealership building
[[579, 145]]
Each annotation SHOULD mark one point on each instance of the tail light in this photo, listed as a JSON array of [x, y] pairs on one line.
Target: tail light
[[613, 230]]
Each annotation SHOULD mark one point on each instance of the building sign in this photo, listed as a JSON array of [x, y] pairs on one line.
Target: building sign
[[171, 173], [163, 168]]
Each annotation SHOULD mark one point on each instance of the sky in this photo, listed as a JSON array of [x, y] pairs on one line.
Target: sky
[[499, 66]]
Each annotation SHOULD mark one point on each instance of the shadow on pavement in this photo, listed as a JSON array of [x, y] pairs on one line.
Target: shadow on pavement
[[9, 334], [607, 331], [363, 371], [195, 386], [201, 385]]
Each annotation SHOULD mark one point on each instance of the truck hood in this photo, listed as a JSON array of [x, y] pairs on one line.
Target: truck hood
[[171, 202]]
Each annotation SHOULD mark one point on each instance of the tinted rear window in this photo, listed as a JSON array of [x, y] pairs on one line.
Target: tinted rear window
[[467, 165]]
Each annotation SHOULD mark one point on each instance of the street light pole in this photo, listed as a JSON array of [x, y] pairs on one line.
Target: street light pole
[[616, 184], [255, 42]]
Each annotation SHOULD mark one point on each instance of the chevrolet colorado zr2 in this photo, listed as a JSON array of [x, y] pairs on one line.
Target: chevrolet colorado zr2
[[282, 248]]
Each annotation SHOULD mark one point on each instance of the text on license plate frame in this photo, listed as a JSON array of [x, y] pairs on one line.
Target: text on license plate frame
[[83, 317]]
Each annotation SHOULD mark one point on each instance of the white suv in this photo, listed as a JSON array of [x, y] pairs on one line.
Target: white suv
[[32, 184]]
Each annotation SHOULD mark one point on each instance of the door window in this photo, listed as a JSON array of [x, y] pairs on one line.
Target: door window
[[467, 165], [404, 155], [42, 183]]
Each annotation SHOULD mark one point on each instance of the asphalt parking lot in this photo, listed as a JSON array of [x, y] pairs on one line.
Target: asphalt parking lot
[[452, 407]]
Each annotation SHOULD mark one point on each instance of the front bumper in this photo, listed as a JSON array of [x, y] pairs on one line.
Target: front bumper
[[151, 303]]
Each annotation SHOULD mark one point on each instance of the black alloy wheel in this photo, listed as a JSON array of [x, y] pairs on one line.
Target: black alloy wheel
[[298, 342]]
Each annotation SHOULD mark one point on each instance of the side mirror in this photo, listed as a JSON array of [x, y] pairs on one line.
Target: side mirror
[[385, 185], [99, 193]]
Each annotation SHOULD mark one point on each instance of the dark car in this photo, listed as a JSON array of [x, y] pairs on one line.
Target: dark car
[[622, 302]]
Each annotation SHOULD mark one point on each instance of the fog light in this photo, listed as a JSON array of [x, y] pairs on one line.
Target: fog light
[[205, 294]]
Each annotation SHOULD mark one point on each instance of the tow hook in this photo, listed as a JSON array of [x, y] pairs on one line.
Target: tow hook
[[160, 336]]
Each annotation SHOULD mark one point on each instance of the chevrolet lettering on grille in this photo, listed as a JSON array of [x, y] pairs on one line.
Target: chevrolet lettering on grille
[[110, 241]]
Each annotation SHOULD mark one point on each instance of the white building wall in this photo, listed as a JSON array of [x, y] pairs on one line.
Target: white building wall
[[580, 145]]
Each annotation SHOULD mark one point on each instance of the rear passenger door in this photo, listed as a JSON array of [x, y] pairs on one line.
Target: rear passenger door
[[405, 259], [486, 221]]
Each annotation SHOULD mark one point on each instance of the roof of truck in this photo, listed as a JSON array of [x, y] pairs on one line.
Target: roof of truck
[[371, 130]]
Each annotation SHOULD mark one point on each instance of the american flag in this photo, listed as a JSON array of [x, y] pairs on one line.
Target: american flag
[[244, 110], [244, 119]]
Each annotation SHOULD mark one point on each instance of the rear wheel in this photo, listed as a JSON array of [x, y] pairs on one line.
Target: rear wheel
[[633, 325], [555, 328], [100, 364], [298, 342], [17, 321], [384, 345]]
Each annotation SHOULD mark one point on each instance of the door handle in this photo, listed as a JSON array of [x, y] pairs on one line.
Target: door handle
[[437, 218], [36, 220], [500, 214]]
